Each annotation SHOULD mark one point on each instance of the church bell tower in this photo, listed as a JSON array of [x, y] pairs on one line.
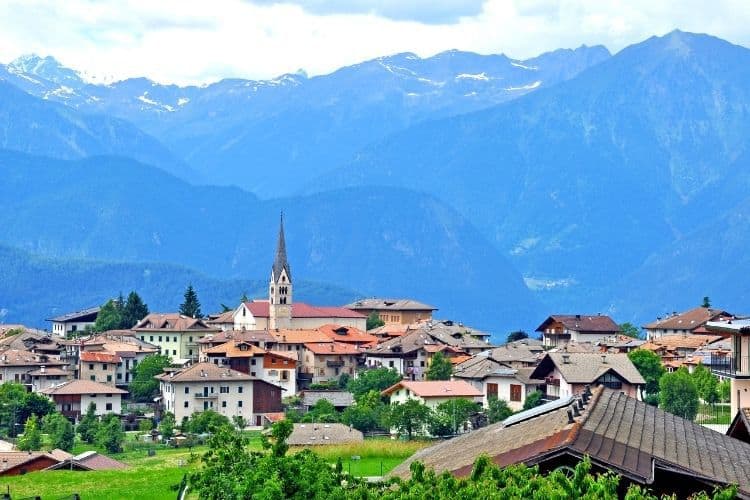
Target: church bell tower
[[280, 287]]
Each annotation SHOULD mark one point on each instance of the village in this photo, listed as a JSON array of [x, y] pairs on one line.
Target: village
[[580, 384]]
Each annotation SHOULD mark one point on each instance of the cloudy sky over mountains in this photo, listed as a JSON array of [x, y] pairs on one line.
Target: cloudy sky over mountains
[[185, 42]]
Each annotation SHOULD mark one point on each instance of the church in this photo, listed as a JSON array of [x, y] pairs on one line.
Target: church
[[280, 312]]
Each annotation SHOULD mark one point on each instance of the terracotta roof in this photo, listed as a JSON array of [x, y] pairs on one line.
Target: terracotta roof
[[436, 388], [456, 360], [299, 336], [208, 372], [390, 305], [260, 308], [285, 354], [582, 323], [322, 434], [678, 341], [348, 334], [586, 367], [331, 348], [14, 459], [82, 387], [99, 357], [20, 357], [688, 320], [619, 433], [235, 349], [172, 322], [223, 318]]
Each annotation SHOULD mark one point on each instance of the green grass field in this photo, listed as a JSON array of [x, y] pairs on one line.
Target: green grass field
[[156, 477]]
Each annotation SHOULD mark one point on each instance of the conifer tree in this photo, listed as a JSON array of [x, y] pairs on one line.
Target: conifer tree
[[133, 311], [192, 306]]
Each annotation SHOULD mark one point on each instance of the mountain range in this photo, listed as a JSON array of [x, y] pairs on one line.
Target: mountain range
[[499, 189]]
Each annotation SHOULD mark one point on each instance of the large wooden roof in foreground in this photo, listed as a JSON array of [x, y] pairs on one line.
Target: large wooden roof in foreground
[[619, 433]]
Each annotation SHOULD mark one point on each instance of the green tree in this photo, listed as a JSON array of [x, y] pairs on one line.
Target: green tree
[[206, 421], [166, 426], [440, 368], [517, 335], [409, 418], [280, 432], [17, 405], [533, 400], [133, 311], [725, 390], [374, 321], [109, 317], [110, 435], [144, 386], [498, 410], [88, 427], [648, 364], [322, 411], [678, 394], [630, 330], [191, 307], [239, 421], [60, 430], [32, 435], [706, 302], [706, 383], [368, 413], [450, 416], [377, 379]]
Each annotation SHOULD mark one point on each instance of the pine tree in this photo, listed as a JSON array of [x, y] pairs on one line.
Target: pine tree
[[133, 311], [89, 425], [32, 435], [192, 306], [440, 368], [109, 317]]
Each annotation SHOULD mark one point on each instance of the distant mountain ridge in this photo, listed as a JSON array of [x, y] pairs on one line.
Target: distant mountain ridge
[[290, 129]]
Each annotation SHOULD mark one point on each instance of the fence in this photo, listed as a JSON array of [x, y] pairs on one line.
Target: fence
[[718, 413]]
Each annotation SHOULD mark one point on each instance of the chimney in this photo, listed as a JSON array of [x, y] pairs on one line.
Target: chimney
[[331, 347], [604, 359], [570, 416], [580, 404], [42, 369], [566, 359], [578, 316], [576, 413]]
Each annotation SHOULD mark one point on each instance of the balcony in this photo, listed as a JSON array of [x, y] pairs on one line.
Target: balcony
[[730, 366], [202, 395], [334, 364]]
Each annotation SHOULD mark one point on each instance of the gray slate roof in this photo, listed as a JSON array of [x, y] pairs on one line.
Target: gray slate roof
[[390, 305], [336, 398], [620, 433], [586, 367], [321, 434]]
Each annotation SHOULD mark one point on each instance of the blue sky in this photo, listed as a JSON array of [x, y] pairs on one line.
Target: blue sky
[[184, 41]]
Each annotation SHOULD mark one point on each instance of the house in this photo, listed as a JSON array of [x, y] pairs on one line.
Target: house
[[349, 335], [322, 434], [735, 366], [43, 378], [73, 322], [432, 392], [685, 323], [276, 367], [559, 329], [643, 444], [403, 311], [72, 398], [111, 358], [326, 361], [207, 386], [223, 321], [280, 311], [16, 365], [675, 349], [99, 367], [258, 338], [497, 380], [14, 463], [519, 354], [174, 334], [410, 354], [567, 374]]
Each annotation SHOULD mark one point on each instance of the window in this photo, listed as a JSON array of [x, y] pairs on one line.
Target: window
[[190, 339], [93, 377], [174, 339], [185, 404], [609, 380], [174, 352], [515, 392], [108, 407], [239, 404], [239, 390], [104, 367], [150, 338], [109, 378], [205, 405], [91, 366], [223, 404], [252, 361], [187, 390], [160, 338], [491, 391], [224, 389], [119, 376]]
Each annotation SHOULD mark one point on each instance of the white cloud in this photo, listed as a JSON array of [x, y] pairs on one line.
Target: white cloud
[[194, 42]]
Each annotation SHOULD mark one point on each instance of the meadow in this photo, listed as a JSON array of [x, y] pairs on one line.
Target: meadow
[[158, 476]]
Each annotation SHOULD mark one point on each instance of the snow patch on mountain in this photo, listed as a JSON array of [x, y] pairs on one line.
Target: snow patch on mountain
[[523, 66], [530, 86], [468, 76]]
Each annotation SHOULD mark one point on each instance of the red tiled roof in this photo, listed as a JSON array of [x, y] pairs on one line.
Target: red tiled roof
[[82, 387], [331, 348], [348, 334], [436, 388], [688, 320], [582, 323], [99, 357], [299, 336], [260, 308]]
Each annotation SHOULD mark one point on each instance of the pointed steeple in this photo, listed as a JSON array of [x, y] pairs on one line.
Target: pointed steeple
[[280, 262]]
